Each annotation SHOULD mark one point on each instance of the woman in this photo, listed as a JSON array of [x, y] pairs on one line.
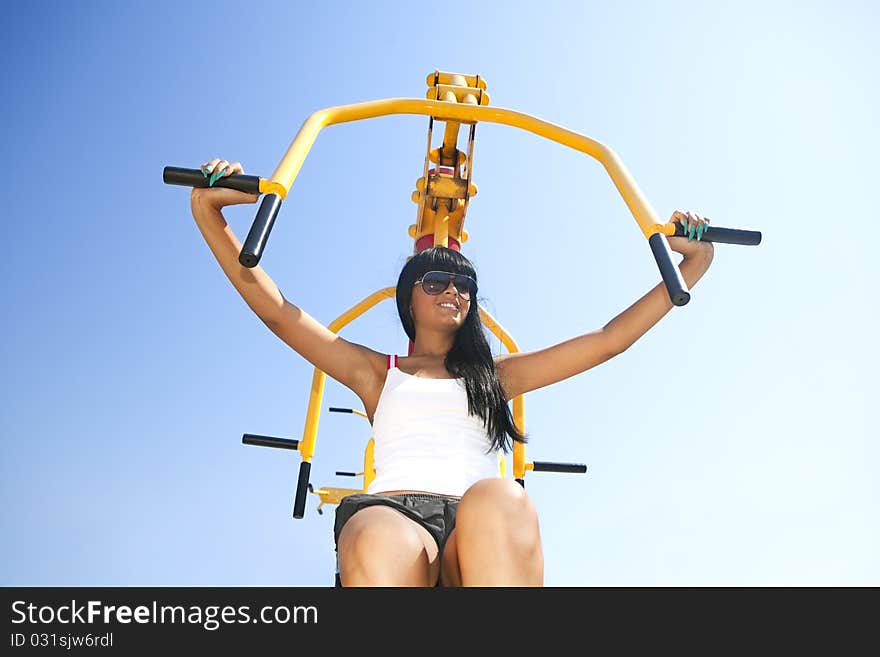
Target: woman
[[436, 516]]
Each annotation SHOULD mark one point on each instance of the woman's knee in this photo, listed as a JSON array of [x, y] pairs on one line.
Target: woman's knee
[[378, 546], [501, 505], [503, 496]]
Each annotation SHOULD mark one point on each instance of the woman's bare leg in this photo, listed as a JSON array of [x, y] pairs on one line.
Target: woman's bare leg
[[497, 536], [379, 546]]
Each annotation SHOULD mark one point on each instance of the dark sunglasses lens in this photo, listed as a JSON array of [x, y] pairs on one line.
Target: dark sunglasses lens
[[463, 285], [436, 282]]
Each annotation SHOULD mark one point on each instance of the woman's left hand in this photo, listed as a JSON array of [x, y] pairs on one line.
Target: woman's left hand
[[692, 245]]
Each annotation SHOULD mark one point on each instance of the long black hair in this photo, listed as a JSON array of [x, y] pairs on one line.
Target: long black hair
[[470, 357]]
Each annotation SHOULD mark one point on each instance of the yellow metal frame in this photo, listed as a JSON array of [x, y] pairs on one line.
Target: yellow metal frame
[[442, 195], [456, 114]]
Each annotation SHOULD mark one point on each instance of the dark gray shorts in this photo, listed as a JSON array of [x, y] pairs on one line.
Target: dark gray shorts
[[436, 513]]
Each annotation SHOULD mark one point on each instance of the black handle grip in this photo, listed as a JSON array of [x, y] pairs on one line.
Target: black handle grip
[[346, 474], [255, 243], [269, 441], [725, 235], [302, 489], [547, 466], [194, 178], [334, 409], [675, 285]]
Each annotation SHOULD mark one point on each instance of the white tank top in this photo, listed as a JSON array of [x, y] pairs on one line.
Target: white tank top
[[424, 438]]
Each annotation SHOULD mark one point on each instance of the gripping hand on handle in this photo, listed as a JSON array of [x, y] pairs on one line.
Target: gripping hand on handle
[[220, 197]]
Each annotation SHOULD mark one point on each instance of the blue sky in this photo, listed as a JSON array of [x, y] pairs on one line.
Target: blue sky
[[729, 446]]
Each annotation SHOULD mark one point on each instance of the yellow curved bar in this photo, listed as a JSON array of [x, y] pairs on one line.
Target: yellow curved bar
[[313, 413], [519, 403], [282, 179]]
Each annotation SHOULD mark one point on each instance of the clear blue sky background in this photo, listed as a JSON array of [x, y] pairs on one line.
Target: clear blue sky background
[[731, 445]]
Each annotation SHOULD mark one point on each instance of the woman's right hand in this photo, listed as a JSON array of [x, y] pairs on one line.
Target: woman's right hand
[[220, 197]]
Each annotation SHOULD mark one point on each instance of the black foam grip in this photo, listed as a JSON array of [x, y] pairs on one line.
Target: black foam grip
[[269, 441], [547, 466], [194, 178], [675, 285], [302, 489], [258, 235], [725, 235]]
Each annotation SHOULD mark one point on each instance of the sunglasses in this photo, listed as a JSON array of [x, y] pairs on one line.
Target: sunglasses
[[435, 282]]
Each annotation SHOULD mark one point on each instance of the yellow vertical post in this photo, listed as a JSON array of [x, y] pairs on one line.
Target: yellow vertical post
[[448, 150], [519, 450], [441, 227], [369, 470], [313, 414]]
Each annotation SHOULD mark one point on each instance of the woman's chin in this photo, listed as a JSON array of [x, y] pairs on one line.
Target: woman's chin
[[449, 323]]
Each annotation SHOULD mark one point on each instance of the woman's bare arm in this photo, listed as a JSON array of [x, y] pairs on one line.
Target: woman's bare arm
[[524, 372], [351, 364], [253, 284]]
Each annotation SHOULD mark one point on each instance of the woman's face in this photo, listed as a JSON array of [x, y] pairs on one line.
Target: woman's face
[[445, 309]]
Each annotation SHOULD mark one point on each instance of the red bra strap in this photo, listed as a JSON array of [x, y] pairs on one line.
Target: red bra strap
[[389, 361]]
